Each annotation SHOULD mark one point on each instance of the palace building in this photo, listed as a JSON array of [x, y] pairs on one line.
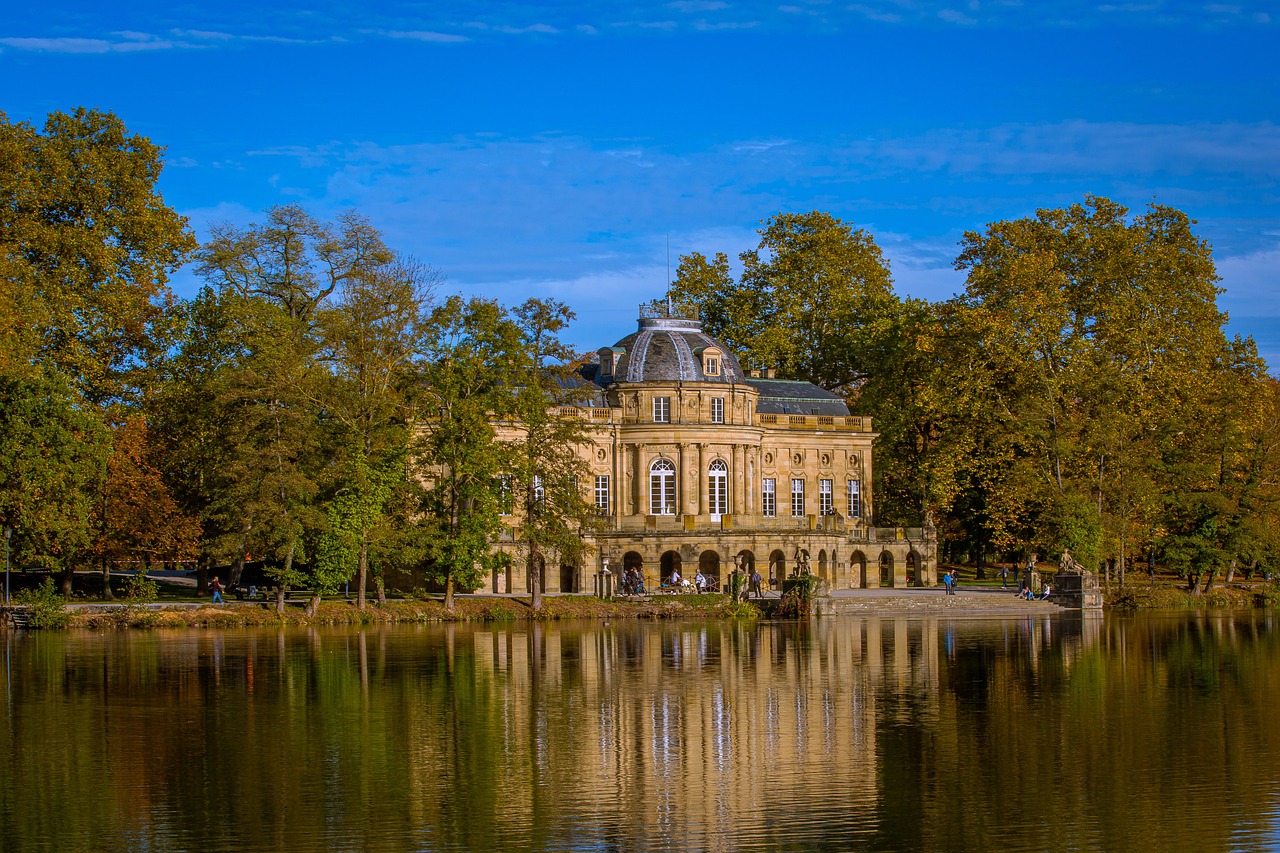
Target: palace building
[[696, 464]]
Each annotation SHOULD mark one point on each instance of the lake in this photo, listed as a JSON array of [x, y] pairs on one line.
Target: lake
[[935, 733]]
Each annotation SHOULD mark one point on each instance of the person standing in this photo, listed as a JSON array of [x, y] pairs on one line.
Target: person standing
[[946, 580], [955, 580], [216, 586]]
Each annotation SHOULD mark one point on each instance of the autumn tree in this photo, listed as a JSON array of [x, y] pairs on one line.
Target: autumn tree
[[138, 520]]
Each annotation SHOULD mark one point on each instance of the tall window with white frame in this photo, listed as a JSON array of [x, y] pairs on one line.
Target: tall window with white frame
[[662, 487], [769, 497], [855, 499], [602, 494], [539, 491], [717, 410], [718, 489], [662, 410], [797, 497], [826, 498]]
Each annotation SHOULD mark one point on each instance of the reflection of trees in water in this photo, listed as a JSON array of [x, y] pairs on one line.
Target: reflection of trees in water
[[904, 733]]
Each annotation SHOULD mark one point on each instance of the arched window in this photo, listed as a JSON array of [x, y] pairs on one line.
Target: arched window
[[718, 489], [662, 487]]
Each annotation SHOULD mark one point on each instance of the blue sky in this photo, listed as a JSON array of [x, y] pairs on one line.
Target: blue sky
[[554, 149]]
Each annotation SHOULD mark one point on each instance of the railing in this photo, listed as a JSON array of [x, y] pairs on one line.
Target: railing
[[852, 423]]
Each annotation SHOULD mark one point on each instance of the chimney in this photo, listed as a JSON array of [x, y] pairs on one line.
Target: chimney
[[755, 374], [768, 373]]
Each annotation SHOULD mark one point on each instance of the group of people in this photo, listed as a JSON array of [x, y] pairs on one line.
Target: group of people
[[632, 582], [951, 580], [1028, 594]]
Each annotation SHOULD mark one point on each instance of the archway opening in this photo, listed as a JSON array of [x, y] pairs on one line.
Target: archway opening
[[709, 565], [858, 570], [822, 564], [777, 569], [886, 569], [670, 564], [913, 569], [568, 578]]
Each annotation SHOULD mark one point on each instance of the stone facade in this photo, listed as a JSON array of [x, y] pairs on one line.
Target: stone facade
[[696, 465]]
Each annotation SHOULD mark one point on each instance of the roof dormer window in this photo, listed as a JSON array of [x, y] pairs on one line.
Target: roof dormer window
[[712, 361]]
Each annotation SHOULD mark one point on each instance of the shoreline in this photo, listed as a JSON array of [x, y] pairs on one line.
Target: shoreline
[[972, 602]]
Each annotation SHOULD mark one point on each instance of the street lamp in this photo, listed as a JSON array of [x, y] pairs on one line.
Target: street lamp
[[8, 532]]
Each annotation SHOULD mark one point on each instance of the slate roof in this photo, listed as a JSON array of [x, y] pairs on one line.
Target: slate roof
[[668, 350], [791, 397]]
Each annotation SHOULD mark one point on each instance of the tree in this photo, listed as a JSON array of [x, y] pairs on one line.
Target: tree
[[86, 246], [472, 351], [370, 342], [1114, 338], [138, 519], [52, 455], [547, 472], [806, 303]]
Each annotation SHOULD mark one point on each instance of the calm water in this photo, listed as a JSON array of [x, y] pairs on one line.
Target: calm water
[[1047, 733]]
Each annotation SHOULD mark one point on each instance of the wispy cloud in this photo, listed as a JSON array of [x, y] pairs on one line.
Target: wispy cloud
[[425, 35]]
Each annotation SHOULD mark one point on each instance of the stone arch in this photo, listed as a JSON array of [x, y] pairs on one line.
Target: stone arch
[[777, 569], [670, 562], [858, 570], [822, 564], [709, 565], [886, 568], [569, 578], [913, 569]]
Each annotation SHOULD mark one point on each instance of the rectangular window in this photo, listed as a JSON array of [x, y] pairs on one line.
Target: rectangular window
[[713, 366], [506, 501], [855, 499], [717, 410], [797, 497], [769, 497], [539, 493], [662, 410], [826, 498], [602, 494]]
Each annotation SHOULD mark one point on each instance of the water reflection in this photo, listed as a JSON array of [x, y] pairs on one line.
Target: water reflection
[[1043, 733]]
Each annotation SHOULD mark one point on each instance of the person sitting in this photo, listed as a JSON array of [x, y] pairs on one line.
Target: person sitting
[[1044, 596], [675, 580]]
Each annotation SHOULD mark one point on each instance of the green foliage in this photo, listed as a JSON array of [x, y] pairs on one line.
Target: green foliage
[[1075, 525], [87, 245], [47, 606], [53, 452], [807, 302], [140, 589], [744, 610]]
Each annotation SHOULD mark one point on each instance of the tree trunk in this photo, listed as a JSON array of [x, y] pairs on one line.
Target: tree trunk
[[280, 598], [67, 574], [313, 607], [107, 594], [202, 575], [382, 590], [448, 593], [535, 580], [362, 573], [237, 569], [1122, 563], [1231, 572]]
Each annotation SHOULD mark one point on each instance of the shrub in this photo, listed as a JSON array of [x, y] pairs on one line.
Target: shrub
[[47, 608], [140, 589]]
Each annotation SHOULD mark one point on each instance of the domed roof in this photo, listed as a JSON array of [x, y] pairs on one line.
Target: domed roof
[[670, 349]]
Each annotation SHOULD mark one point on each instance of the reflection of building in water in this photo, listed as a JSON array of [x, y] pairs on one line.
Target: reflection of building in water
[[707, 727], [698, 465]]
